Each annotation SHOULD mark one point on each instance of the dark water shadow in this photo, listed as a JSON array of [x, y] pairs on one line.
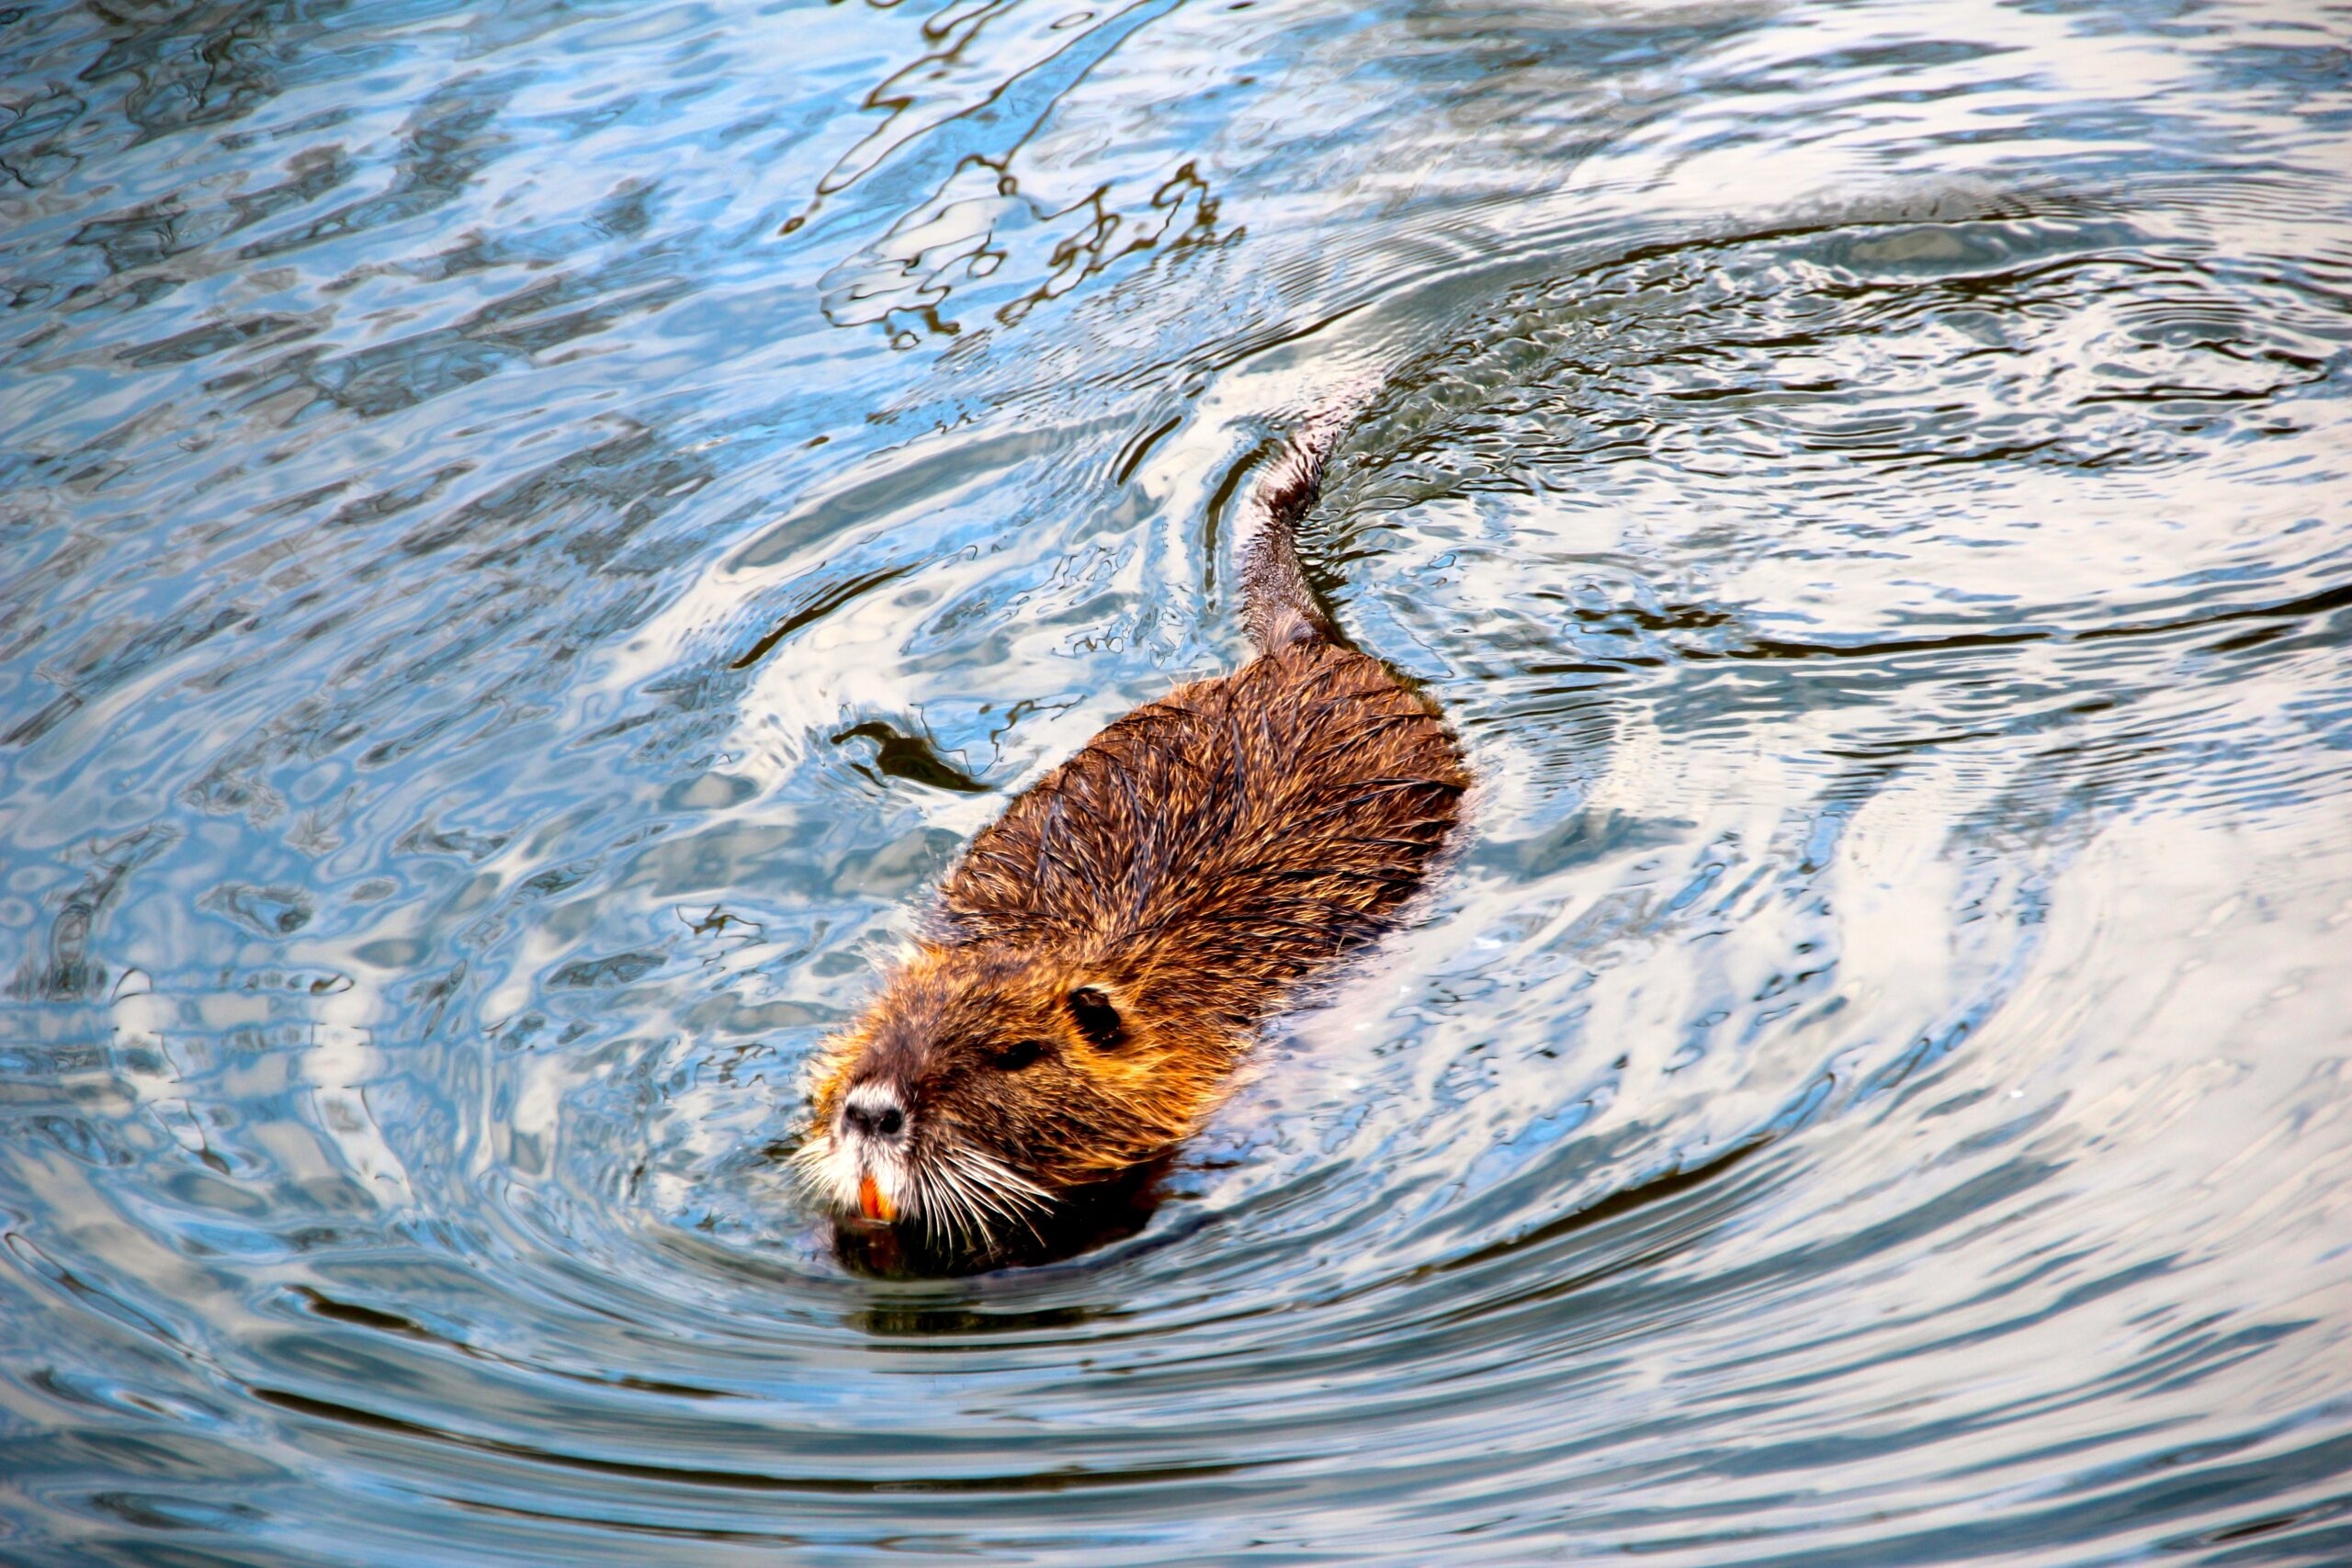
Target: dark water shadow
[[1084, 1222]]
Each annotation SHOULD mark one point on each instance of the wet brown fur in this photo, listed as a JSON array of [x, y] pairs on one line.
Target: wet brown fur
[[1103, 955]]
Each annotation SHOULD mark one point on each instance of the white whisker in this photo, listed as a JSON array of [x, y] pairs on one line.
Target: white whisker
[[941, 1207], [1011, 1198]]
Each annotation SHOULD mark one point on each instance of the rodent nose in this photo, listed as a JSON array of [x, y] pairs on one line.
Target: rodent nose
[[874, 1121]]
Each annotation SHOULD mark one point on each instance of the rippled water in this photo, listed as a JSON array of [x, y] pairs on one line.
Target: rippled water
[[529, 536]]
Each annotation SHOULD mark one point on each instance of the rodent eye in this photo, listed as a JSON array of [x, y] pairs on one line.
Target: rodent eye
[[1019, 1054]]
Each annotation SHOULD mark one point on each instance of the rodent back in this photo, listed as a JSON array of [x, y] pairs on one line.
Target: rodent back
[[1211, 850]]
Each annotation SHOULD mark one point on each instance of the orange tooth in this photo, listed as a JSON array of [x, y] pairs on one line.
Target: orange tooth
[[872, 1202]]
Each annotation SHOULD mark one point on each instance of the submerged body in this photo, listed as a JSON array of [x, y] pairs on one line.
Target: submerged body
[[1103, 955]]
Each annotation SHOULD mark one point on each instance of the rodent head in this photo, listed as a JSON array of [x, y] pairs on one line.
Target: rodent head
[[983, 1084]]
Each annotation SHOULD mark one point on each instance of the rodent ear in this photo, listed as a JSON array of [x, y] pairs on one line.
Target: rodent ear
[[1097, 1017]]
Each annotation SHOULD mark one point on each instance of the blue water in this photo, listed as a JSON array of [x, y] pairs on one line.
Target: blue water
[[530, 536]]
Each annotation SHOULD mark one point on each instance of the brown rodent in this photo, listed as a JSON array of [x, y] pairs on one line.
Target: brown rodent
[[1104, 954]]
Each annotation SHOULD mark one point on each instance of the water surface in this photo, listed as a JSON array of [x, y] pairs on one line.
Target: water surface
[[529, 536]]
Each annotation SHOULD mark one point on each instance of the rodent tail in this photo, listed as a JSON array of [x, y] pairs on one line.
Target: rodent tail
[[1278, 606]]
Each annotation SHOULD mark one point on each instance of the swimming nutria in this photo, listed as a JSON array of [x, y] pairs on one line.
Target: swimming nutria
[[1101, 957]]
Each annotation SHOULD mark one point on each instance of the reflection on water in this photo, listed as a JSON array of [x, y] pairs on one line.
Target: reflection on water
[[529, 536]]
